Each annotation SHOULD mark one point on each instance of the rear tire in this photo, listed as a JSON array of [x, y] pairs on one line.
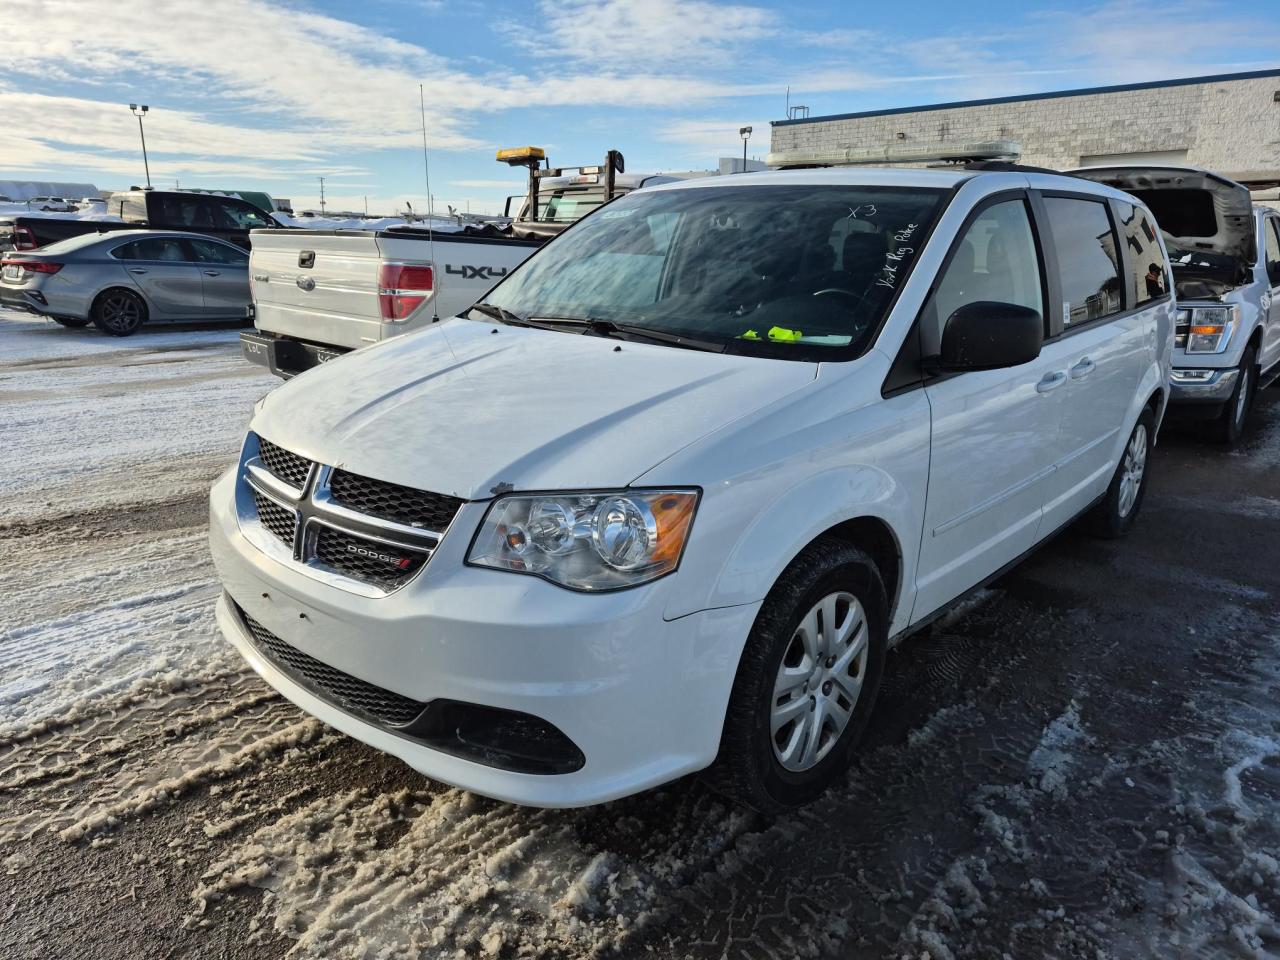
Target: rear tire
[[1116, 512], [807, 681], [119, 312], [72, 322], [1229, 427]]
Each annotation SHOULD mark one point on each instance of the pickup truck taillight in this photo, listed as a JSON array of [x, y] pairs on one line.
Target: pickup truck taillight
[[33, 266], [24, 239], [402, 288]]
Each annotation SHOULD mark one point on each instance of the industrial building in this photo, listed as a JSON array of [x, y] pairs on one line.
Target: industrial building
[[1229, 123]]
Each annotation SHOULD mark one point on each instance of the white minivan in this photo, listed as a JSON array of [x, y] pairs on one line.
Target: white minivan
[[664, 499]]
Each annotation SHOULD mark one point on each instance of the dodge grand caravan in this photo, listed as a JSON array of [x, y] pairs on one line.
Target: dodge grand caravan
[[662, 501]]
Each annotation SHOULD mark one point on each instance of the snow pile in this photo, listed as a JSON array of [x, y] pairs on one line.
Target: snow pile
[[439, 224], [88, 212]]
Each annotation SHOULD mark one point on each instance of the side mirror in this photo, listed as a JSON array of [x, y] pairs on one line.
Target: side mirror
[[987, 335]]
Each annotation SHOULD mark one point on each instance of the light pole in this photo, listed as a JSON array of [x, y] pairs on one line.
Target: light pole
[[745, 134], [141, 112], [321, 196]]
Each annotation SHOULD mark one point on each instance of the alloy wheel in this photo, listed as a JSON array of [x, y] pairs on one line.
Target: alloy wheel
[[819, 681], [121, 313], [1135, 465], [1242, 399]]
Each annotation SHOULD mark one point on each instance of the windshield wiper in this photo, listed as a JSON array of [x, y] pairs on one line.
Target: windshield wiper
[[626, 331], [509, 317]]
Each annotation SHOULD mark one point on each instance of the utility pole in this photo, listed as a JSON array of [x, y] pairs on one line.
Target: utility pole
[[322, 196], [140, 112]]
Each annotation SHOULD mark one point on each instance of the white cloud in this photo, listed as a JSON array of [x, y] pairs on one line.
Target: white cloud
[[626, 34]]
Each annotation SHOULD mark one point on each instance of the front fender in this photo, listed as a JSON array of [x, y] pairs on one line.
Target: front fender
[[770, 488]]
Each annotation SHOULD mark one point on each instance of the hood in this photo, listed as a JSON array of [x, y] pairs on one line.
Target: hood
[[1197, 210], [473, 409]]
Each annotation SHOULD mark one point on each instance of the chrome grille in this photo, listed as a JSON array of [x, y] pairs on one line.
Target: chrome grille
[[368, 531], [289, 467], [329, 683], [366, 560], [391, 501], [277, 519]]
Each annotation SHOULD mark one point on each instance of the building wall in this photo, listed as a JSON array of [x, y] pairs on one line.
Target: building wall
[[1231, 125]]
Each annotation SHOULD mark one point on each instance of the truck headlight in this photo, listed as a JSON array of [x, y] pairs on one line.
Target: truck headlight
[[589, 541], [1209, 328]]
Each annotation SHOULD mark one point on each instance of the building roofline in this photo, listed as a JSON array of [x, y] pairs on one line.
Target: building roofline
[[1053, 95]]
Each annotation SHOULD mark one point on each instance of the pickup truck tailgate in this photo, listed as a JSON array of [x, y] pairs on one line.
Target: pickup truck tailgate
[[320, 286]]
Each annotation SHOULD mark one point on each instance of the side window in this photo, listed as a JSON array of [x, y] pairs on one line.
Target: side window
[[995, 260], [242, 216], [209, 252], [1149, 271], [1087, 258], [1271, 232], [161, 249]]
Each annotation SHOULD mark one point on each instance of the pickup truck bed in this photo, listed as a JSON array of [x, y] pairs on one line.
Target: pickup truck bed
[[319, 293]]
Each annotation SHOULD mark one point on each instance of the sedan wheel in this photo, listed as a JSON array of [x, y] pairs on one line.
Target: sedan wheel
[[119, 313]]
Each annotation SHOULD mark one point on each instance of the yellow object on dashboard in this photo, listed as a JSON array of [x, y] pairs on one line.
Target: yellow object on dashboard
[[781, 334], [521, 154]]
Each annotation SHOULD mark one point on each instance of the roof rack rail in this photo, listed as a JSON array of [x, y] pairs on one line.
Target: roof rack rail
[[1007, 166]]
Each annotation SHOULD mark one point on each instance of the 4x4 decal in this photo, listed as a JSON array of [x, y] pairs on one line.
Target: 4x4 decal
[[467, 272]]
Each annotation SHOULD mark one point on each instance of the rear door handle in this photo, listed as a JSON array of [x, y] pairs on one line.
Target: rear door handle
[[1082, 369], [138, 270], [1051, 381], [213, 273]]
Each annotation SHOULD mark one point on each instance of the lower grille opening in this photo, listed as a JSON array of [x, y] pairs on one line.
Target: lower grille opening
[[364, 700], [506, 739]]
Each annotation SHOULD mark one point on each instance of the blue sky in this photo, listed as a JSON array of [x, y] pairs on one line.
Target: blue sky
[[268, 95]]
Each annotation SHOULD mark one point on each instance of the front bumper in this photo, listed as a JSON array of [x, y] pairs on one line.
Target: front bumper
[[1202, 385], [284, 356], [641, 697]]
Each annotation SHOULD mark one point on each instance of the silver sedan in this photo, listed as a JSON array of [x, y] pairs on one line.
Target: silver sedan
[[120, 280]]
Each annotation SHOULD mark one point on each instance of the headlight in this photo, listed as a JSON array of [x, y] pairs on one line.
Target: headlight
[[587, 541], [1209, 328]]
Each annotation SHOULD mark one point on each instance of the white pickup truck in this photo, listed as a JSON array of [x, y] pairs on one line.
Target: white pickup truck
[[319, 294]]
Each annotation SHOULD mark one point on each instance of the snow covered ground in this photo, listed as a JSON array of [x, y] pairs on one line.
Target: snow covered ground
[[1084, 761]]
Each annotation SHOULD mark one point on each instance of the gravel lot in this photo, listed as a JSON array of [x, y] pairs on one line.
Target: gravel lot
[[1084, 761]]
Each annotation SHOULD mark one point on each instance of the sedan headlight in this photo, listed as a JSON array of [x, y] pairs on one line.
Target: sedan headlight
[[594, 540], [1208, 328]]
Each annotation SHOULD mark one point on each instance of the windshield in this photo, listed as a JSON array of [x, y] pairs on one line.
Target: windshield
[[779, 267]]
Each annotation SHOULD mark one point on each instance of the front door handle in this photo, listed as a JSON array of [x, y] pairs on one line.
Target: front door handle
[[138, 270], [212, 273], [1082, 369], [1051, 381]]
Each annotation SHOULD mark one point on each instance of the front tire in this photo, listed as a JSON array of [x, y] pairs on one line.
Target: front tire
[[807, 680], [1229, 427], [119, 312], [1116, 512]]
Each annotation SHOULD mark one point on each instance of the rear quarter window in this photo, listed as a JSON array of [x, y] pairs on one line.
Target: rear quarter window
[[1148, 275]]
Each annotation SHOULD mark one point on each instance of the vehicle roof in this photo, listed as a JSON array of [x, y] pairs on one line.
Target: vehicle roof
[[81, 240], [839, 176]]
